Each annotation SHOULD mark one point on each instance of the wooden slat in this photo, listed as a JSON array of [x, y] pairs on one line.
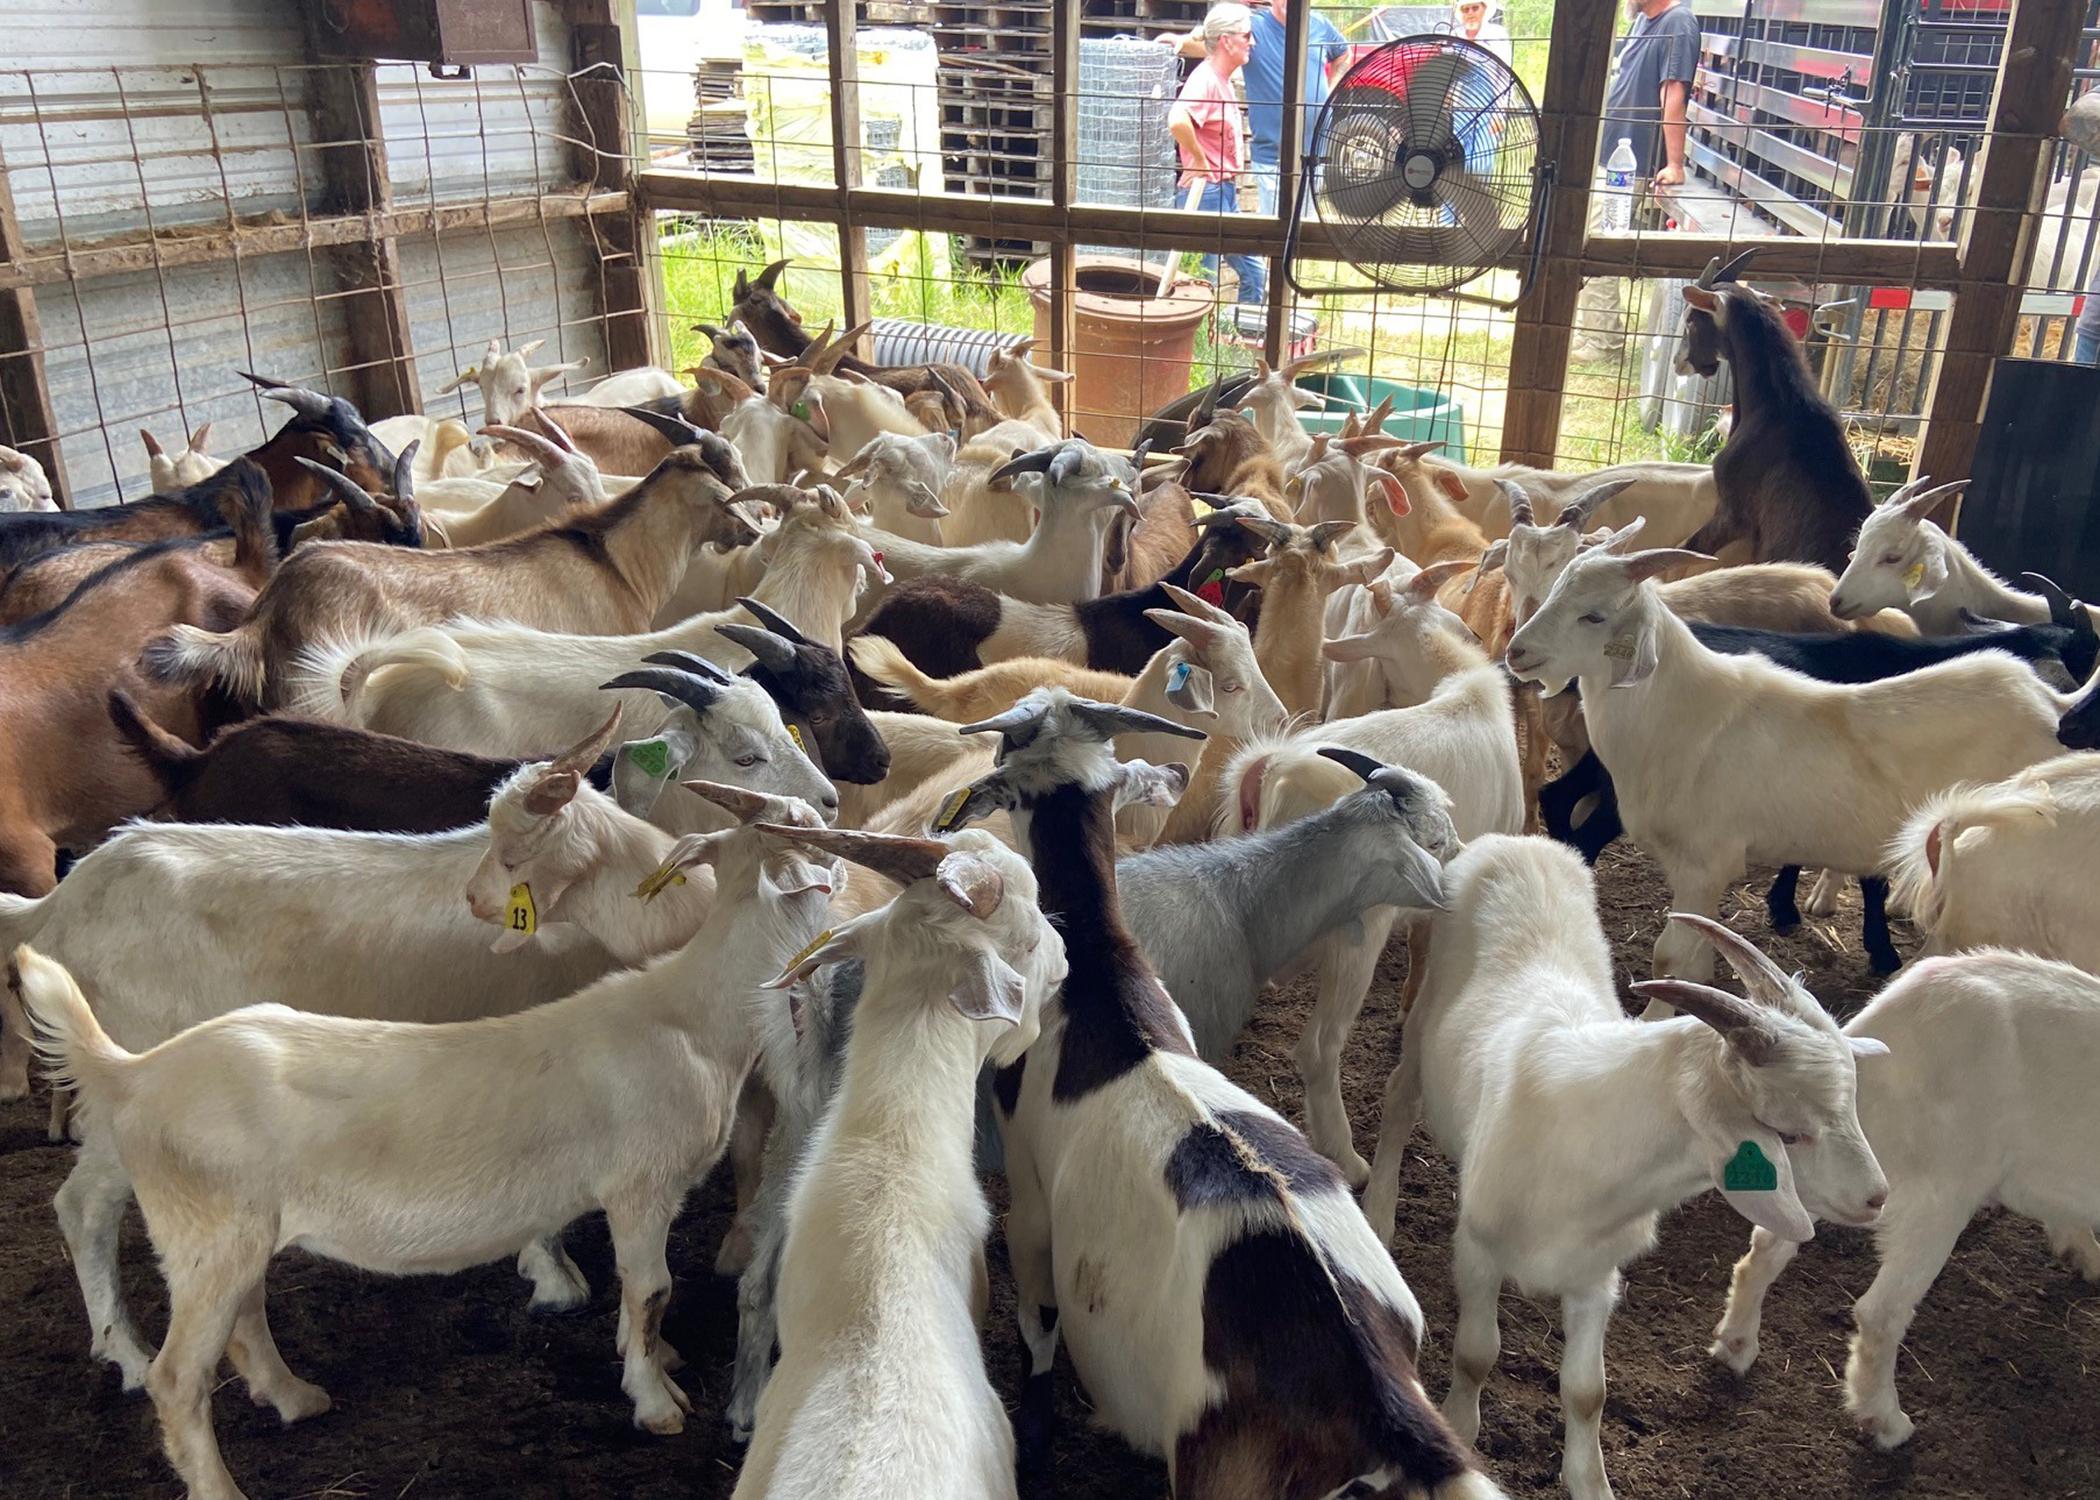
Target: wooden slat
[[1921, 266], [211, 244], [633, 334], [1578, 63], [1997, 251], [1064, 187], [352, 166], [27, 421], [1276, 336], [841, 35]]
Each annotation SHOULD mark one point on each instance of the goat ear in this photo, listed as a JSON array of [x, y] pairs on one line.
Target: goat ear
[[555, 790], [1364, 569], [643, 768], [1142, 784], [827, 947], [1705, 299], [693, 849], [1350, 648], [1395, 492], [1867, 1046], [988, 989], [1657, 560], [980, 799], [1253, 573], [1453, 487]]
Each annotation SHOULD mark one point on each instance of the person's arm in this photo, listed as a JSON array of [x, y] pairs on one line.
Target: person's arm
[[1182, 126], [1675, 93], [1189, 45]]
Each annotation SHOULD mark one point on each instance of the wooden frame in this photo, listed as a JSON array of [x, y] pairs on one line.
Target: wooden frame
[[1994, 252]]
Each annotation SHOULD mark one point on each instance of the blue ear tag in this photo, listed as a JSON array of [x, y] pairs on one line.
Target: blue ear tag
[[1750, 1171], [1177, 677]]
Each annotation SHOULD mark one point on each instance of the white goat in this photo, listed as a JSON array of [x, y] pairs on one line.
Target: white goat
[[561, 477], [509, 386], [447, 451], [1458, 734], [1017, 387], [630, 387], [23, 483], [881, 1389], [188, 465], [2005, 865], [1903, 561], [271, 1126], [1521, 1061], [1676, 499], [777, 438], [1721, 761], [1986, 1099], [900, 483]]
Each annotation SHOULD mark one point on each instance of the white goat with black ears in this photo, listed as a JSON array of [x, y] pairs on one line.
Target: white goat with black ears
[[1722, 761], [881, 1391], [1226, 1305], [271, 1127], [1575, 1128]]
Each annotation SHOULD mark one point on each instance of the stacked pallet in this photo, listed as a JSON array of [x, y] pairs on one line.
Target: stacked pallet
[[717, 135]]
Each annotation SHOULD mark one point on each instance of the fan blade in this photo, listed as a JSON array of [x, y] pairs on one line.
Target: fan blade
[[1429, 101]]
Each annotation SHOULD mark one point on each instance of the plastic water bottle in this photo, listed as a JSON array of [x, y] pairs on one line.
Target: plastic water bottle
[[1617, 187]]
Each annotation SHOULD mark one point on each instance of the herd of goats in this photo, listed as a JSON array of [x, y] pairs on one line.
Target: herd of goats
[[925, 765]]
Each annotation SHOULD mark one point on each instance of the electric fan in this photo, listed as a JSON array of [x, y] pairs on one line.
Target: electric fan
[[1421, 173]]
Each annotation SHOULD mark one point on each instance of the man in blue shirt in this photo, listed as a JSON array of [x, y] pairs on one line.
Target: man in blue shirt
[[1263, 82]]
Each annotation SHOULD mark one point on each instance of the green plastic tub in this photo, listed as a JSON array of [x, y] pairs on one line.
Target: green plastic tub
[[1419, 416]]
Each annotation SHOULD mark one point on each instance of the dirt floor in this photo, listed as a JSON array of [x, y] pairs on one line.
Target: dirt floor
[[449, 1387]]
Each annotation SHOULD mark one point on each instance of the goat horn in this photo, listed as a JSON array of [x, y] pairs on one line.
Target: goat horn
[[1425, 583], [584, 754], [543, 449], [1577, 512], [405, 472], [771, 273], [1735, 266], [743, 804], [1326, 533], [1706, 277], [353, 494], [1111, 719], [1363, 765], [772, 653], [676, 430], [1305, 362], [153, 449], [1226, 512], [1520, 513], [686, 661], [2063, 609], [1922, 502], [301, 400], [1197, 607], [1137, 454], [1764, 979], [709, 329], [1036, 461], [839, 348], [696, 693], [1735, 1018], [774, 621], [904, 860], [1023, 715], [1274, 532]]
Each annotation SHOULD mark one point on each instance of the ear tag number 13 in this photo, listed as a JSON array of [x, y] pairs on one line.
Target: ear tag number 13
[[521, 915]]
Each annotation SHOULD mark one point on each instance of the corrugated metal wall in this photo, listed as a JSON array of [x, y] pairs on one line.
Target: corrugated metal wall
[[120, 114]]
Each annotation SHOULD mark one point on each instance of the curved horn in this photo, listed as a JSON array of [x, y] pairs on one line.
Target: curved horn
[[1362, 764], [1226, 513], [774, 621], [709, 329], [696, 693], [771, 273], [676, 430], [1269, 530], [772, 652], [405, 472], [1734, 267], [1036, 461], [686, 661], [584, 754], [1022, 715], [2063, 609], [1111, 719], [301, 400], [902, 859], [1922, 502], [1577, 512], [1764, 979], [544, 451], [741, 803], [1325, 534], [352, 493], [1519, 503]]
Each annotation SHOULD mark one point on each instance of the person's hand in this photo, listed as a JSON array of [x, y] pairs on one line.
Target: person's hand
[[1193, 176], [1670, 176]]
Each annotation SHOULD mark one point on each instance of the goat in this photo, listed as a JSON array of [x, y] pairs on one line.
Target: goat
[[733, 351], [1985, 1099], [1275, 398], [647, 1059], [881, 1385], [901, 490], [606, 570], [631, 387], [561, 478], [1144, 549], [1301, 569], [24, 486], [982, 505], [778, 435], [178, 471], [1277, 1357], [67, 780], [323, 429], [1520, 1059], [1903, 561], [1229, 456], [1787, 483], [1721, 760], [1016, 386], [1676, 499], [1999, 866], [510, 386], [566, 855]]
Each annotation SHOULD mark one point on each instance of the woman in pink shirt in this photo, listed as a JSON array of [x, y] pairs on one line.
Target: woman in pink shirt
[[1205, 123]]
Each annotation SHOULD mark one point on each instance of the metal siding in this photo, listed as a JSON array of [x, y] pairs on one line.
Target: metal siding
[[77, 63], [527, 301], [494, 134], [140, 365]]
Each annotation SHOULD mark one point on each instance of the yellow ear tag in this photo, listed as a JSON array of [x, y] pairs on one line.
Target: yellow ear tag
[[952, 810], [795, 734], [653, 886], [471, 372], [1915, 576], [521, 915], [807, 949]]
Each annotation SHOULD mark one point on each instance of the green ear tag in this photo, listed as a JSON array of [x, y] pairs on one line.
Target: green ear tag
[[801, 409], [1217, 575], [952, 810], [652, 756], [1750, 1171]]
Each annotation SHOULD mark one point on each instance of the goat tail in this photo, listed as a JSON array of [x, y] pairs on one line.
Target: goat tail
[[169, 757], [1920, 858], [334, 674], [884, 660], [1278, 779], [189, 654], [75, 1051]]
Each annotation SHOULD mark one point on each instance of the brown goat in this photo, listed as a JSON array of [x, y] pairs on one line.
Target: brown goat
[[1141, 552], [1228, 456], [605, 572]]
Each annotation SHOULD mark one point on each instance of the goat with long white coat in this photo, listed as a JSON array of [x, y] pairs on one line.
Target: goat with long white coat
[[1721, 761], [1986, 1099], [2005, 865], [1225, 1304], [1518, 1056], [1457, 733], [881, 1390], [272, 1127]]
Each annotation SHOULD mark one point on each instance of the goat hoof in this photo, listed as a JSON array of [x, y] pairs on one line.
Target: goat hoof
[[298, 1402], [662, 1424], [1784, 920], [1738, 1353], [1889, 1430], [1885, 963]]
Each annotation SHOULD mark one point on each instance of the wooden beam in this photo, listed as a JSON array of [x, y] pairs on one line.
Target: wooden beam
[[1909, 263], [1578, 63], [1276, 335], [1064, 186], [604, 158], [1997, 251], [350, 158], [27, 421], [842, 48], [210, 244]]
